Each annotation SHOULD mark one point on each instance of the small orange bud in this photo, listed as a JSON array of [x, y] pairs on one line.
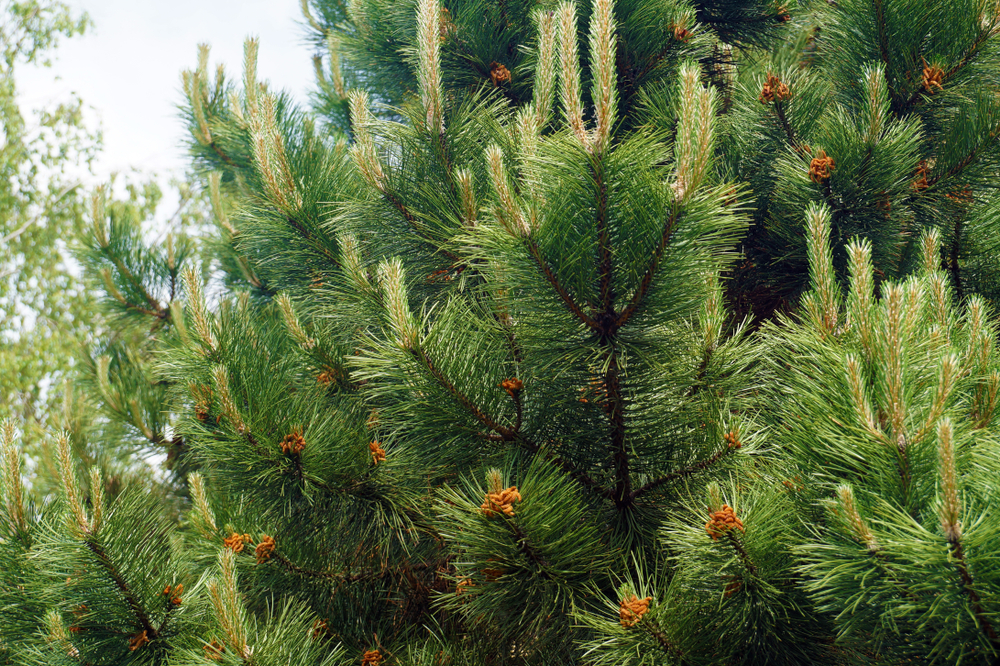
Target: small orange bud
[[820, 167], [499, 73], [264, 549], [214, 650], [723, 521], [932, 76], [235, 543], [293, 442], [631, 609], [512, 385], [137, 641], [501, 502]]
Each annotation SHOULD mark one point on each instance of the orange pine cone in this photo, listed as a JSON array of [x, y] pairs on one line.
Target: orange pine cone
[[501, 502], [631, 609], [264, 549], [722, 521]]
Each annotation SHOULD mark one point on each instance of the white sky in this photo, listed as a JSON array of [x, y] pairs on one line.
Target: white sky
[[128, 68]]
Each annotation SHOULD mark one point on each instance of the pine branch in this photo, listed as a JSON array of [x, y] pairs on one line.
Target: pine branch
[[415, 225], [506, 433], [608, 328], [157, 310], [400, 572], [647, 278], [122, 585], [681, 474], [779, 111], [564, 295], [835, 205], [883, 47], [309, 236], [526, 548], [569, 468], [968, 159], [501, 433], [661, 639], [699, 377], [222, 155], [288, 565], [953, 267], [977, 608], [967, 57], [738, 546]]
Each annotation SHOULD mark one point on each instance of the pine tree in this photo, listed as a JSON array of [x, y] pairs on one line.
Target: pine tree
[[627, 333]]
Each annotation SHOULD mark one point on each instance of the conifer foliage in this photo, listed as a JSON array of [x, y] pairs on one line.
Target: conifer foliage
[[636, 332]]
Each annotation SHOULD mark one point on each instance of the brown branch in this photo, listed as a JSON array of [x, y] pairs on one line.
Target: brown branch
[[647, 279], [157, 311], [689, 471], [506, 433], [225, 158], [582, 477], [525, 546], [122, 585], [418, 519], [662, 640], [953, 268], [964, 162], [700, 375], [309, 236], [503, 434], [607, 332], [249, 436], [416, 225], [519, 410], [569, 468], [288, 565], [779, 111], [801, 149], [166, 616], [966, 58], [883, 565], [564, 295], [883, 47], [970, 591], [737, 545]]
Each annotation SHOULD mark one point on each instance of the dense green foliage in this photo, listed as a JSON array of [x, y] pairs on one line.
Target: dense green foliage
[[648, 332]]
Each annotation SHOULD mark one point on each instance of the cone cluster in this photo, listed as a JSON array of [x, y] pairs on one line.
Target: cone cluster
[[501, 502], [235, 542], [722, 521], [512, 385], [138, 641], [293, 442], [631, 609], [499, 73], [773, 91], [264, 549], [932, 77], [174, 593], [820, 167], [378, 453]]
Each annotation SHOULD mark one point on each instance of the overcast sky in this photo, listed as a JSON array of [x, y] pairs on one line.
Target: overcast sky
[[128, 67]]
